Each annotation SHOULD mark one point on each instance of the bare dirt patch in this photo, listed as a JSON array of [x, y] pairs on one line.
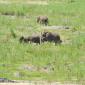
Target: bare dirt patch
[[57, 27], [38, 2], [26, 2], [37, 83]]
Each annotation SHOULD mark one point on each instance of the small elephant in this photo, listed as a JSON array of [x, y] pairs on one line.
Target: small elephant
[[30, 39], [42, 20]]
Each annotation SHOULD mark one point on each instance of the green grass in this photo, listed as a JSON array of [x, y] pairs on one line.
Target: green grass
[[68, 60]]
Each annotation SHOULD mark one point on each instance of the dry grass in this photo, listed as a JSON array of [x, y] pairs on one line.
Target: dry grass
[[25, 2]]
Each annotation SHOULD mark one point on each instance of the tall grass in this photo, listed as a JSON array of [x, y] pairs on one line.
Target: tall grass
[[67, 59]]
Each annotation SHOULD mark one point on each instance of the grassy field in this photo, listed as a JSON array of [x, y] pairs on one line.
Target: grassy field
[[65, 62]]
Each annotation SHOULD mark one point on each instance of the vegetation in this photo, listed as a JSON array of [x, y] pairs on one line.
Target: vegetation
[[67, 59]]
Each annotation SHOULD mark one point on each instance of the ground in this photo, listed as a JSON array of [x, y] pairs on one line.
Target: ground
[[65, 62]]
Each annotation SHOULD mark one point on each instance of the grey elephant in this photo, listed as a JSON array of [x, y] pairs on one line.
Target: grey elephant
[[31, 39], [42, 20], [51, 37]]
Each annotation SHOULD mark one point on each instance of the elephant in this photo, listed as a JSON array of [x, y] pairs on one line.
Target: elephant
[[51, 37], [42, 20], [31, 39]]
